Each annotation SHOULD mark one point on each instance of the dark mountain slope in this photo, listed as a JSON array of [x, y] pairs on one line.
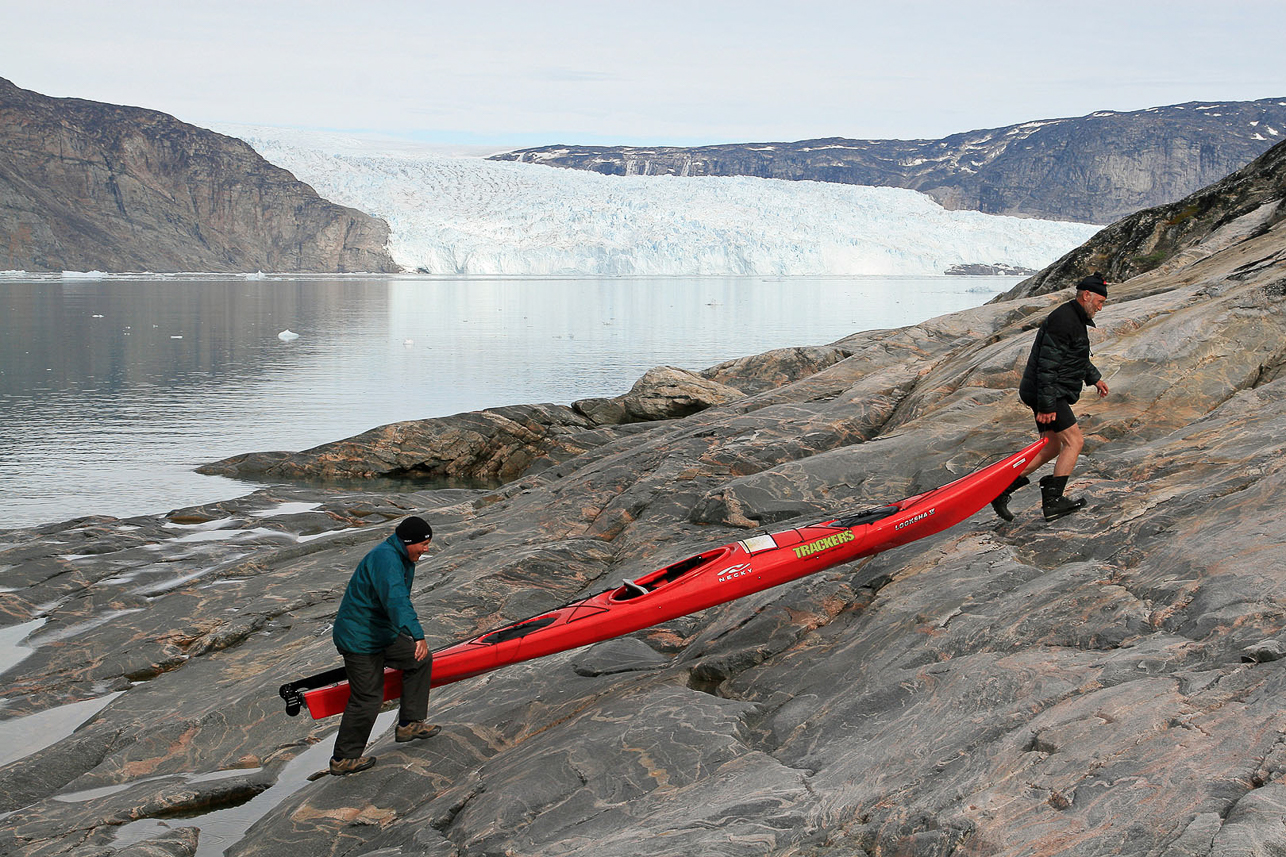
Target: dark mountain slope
[[1248, 202], [90, 186]]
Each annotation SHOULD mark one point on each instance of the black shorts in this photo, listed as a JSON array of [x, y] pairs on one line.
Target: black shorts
[[1063, 419]]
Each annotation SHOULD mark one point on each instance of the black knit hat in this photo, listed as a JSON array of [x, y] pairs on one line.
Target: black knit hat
[[414, 530], [1093, 283]]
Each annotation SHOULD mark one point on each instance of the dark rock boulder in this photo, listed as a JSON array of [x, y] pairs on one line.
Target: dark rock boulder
[[669, 393], [495, 444], [774, 369], [501, 444]]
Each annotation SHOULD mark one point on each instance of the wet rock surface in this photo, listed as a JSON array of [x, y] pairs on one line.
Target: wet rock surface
[[1085, 687]]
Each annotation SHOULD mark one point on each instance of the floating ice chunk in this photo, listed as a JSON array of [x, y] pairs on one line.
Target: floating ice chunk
[[287, 335]]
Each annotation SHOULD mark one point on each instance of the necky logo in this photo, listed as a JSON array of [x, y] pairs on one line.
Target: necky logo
[[733, 572]]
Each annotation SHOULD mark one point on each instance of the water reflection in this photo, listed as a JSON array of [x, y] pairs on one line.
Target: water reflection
[[99, 337], [22, 736], [12, 652]]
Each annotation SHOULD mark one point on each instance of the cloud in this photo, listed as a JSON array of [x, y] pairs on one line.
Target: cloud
[[683, 73]]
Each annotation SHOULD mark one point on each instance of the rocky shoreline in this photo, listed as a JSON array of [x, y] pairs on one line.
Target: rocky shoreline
[[1108, 684]]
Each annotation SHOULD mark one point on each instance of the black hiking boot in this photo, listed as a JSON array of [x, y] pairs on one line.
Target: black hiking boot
[[1001, 503], [1053, 503]]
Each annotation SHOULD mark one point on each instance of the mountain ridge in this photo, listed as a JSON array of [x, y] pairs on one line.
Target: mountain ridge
[[1093, 169], [1164, 237]]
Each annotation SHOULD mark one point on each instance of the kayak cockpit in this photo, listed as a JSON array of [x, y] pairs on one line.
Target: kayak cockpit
[[683, 568], [516, 630], [634, 588]]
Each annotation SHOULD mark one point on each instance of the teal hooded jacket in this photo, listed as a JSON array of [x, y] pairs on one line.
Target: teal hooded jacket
[[377, 603]]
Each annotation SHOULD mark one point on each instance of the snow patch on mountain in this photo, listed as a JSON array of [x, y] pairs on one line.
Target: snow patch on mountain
[[457, 215]]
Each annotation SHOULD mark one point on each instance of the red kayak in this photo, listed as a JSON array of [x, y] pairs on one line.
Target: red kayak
[[712, 577]]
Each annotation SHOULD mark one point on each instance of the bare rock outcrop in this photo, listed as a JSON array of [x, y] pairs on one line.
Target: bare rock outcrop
[[498, 444], [90, 186], [1105, 684], [1170, 237], [501, 444]]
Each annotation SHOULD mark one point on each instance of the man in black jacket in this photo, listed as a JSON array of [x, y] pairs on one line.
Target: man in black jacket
[[1057, 369]]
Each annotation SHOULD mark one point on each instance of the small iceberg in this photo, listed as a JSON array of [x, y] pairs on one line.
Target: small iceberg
[[287, 335]]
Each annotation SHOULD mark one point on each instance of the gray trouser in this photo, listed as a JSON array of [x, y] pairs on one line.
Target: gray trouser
[[366, 693]]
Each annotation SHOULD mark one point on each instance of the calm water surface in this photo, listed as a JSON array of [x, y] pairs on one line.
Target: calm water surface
[[113, 389]]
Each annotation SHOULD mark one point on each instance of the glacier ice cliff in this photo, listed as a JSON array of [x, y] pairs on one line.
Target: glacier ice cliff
[[467, 216]]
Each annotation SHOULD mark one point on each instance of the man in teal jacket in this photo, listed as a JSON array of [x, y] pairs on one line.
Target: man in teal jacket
[[377, 627]]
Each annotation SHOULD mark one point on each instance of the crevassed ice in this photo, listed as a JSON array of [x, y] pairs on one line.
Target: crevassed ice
[[458, 215]]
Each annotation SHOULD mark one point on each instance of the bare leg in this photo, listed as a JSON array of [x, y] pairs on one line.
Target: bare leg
[[1070, 443], [1049, 453]]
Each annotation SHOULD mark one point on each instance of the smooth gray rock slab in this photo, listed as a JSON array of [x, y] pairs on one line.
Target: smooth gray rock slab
[[628, 654]]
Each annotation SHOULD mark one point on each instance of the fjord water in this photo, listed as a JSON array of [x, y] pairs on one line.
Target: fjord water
[[112, 389]]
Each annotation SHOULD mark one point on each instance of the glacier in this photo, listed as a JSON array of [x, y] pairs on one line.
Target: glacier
[[452, 214]]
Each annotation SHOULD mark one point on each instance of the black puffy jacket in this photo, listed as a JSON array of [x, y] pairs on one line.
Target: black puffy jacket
[[1059, 365]]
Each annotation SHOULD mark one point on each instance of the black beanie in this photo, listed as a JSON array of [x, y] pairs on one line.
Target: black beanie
[[414, 530], [1093, 283]]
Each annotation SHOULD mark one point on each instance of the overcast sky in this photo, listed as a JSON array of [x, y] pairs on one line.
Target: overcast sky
[[516, 72]]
